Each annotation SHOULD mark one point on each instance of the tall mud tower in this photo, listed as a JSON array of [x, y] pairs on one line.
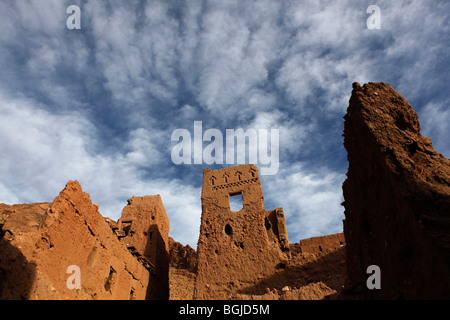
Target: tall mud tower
[[144, 228], [236, 249], [397, 200]]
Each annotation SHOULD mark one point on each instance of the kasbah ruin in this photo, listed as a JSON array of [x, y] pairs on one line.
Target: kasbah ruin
[[397, 218]]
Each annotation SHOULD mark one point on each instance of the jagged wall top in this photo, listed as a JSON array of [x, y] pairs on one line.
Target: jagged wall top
[[218, 185]]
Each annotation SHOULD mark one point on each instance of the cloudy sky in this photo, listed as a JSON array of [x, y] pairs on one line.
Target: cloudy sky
[[99, 104]]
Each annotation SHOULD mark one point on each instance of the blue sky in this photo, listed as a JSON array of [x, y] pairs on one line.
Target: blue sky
[[99, 105]]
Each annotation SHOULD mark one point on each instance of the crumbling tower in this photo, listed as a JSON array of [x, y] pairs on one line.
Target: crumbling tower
[[237, 249], [144, 228]]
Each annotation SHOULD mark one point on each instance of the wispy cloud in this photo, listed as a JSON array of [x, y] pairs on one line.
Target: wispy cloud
[[434, 123], [46, 150], [310, 200], [99, 104]]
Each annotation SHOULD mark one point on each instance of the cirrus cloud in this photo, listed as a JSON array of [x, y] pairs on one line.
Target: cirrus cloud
[[99, 104]]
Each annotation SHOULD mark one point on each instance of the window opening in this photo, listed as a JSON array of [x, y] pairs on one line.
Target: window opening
[[236, 202]]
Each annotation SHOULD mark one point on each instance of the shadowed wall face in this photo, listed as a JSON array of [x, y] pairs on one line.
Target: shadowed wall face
[[144, 228], [236, 248], [397, 199]]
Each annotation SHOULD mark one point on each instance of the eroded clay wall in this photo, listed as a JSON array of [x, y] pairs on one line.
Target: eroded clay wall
[[39, 242], [235, 249], [144, 228], [322, 243], [397, 199]]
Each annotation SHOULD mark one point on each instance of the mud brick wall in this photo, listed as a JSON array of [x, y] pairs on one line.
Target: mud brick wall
[[322, 243], [38, 242], [397, 199], [144, 228], [236, 249]]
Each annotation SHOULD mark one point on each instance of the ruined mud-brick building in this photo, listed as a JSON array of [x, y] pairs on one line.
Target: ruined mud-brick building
[[237, 249], [43, 245], [144, 228], [322, 243], [397, 200]]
